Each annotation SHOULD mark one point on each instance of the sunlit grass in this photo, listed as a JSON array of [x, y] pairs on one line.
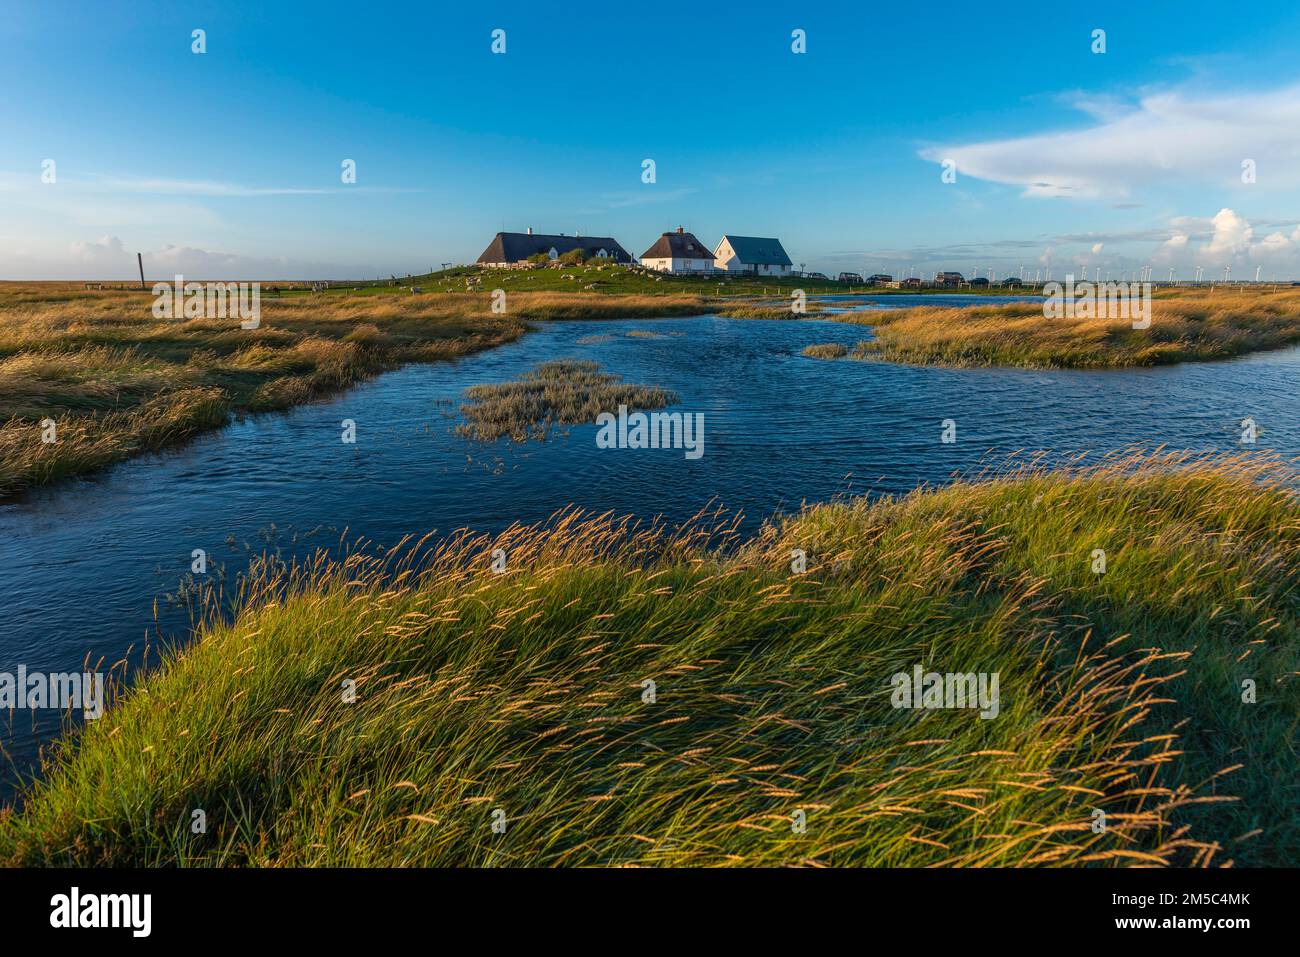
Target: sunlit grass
[[118, 382], [558, 393], [826, 350], [525, 691], [1186, 325]]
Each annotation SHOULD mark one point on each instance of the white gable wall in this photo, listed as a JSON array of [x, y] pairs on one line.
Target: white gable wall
[[728, 261], [679, 266], [725, 257]]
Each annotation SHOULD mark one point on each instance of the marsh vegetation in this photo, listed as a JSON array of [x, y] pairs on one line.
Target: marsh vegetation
[[627, 694], [1187, 325], [826, 350], [115, 381], [555, 394]]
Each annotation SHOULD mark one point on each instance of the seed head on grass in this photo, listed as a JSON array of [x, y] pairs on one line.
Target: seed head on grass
[[523, 691]]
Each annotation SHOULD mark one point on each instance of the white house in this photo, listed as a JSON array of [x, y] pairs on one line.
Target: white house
[[679, 253], [752, 255]]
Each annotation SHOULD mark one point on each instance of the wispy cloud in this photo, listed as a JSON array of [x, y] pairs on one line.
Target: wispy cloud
[[1162, 138], [109, 185], [649, 196], [211, 188], [188, 187]]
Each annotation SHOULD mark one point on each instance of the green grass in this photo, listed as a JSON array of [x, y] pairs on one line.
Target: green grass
[[623, 280], [525, 692]]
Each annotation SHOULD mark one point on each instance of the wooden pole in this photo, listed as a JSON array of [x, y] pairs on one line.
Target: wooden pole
[[139, 259]]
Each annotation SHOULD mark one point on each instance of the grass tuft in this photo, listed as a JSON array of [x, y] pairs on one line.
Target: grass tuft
[[557, 393], [826, 350], [526, 691]]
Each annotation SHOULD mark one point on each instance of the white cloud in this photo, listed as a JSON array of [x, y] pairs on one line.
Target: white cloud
[[1228, 238], [1174, 246], [1162, 138], [199, 187], [105, 250], [185, 187], [1231, 236]]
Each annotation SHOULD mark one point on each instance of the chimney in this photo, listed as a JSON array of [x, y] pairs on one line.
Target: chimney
[[577, 234], [530, 230]]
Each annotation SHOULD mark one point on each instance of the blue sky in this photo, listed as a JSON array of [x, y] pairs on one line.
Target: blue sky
[[227, 164]]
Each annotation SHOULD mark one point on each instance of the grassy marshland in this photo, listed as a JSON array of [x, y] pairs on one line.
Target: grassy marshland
[[608, 278], [558, 393], [634, 280], [826, 350], [762, 310], [1186, 325], [525, 691], [118, 382]]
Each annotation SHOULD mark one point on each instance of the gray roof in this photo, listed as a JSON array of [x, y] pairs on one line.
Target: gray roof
[[516, 247], [758, 251], [678, 246]]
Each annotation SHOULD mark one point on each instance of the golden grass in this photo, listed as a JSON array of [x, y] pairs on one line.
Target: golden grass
[[826, 350], [526, 691], [1186, 325], [558, 393], [117, 382]]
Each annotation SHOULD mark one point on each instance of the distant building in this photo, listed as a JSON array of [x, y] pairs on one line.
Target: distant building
[[753, 256], [949, 279], [980, 282], [849, 277], [511, 249], [913, 282], [1011, 282], [679, 253], [879, 279]]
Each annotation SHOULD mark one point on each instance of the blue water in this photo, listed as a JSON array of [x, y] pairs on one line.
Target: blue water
[[85, 562]]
